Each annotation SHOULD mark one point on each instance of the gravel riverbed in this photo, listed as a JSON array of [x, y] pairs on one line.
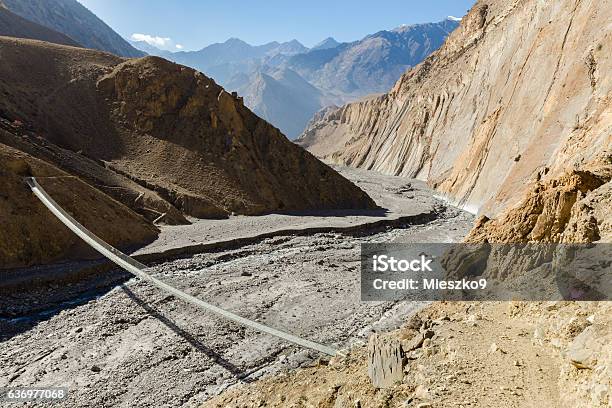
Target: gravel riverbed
[[132, 345]]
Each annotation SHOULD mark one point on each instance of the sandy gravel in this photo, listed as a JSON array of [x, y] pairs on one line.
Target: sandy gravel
[[133, 346], [397, 197]]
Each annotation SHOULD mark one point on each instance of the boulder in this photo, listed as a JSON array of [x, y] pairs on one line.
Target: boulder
[[385, 361]]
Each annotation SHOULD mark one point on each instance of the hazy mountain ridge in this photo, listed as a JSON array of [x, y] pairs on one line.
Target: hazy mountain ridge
[[12, 25], [74, 20], [224, 60], [341, 72], [281, 97], [327, 43], [374, 63]]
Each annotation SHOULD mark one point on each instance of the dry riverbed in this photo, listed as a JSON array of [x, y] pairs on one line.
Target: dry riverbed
[[132, 345]]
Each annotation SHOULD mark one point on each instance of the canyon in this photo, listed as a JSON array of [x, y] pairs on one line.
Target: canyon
[[516, 96], [501, 135], [510, 120]]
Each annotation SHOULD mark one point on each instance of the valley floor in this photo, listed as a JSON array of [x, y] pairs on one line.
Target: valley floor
[[133, 346]]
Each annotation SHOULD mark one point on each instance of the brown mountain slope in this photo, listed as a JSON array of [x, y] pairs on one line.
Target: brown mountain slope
[[73, 19], [168, 128], [30, 235], [12, 25], [490, 112]]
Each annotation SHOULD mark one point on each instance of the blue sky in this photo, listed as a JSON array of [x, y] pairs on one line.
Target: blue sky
[[194, 24]]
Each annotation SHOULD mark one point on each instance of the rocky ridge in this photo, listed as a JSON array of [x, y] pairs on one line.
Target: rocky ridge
[[372, 64]]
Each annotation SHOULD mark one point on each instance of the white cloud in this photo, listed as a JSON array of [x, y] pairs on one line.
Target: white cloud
[[453, 18], [163, 43]]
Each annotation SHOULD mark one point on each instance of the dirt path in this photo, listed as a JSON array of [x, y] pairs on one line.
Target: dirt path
[[481, 355], [133, 346]]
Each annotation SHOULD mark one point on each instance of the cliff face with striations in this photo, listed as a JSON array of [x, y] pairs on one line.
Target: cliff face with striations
[[517, 95], [510, 118]]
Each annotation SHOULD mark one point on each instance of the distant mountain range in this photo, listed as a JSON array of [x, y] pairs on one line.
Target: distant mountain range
[[282, 97], [72, 19], [287, 83], [329, 42], [373, 64]]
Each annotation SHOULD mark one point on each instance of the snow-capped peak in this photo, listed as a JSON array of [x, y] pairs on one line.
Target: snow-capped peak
[[453, 18]]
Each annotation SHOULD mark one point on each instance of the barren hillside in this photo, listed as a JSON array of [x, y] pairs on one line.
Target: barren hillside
[[30, 235], [167, 127], [160, 138]]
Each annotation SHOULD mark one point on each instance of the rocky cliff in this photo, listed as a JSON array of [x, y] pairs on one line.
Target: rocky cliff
[[517, 95], [510, 118]]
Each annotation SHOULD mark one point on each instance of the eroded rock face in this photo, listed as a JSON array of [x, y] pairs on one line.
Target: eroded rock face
[[510, 118], [165, 131], [568, 209], [518, 88]]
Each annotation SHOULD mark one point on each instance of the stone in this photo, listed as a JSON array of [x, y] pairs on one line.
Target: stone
[[385, 361], [421, 392], [414, 343], [586, 349]]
